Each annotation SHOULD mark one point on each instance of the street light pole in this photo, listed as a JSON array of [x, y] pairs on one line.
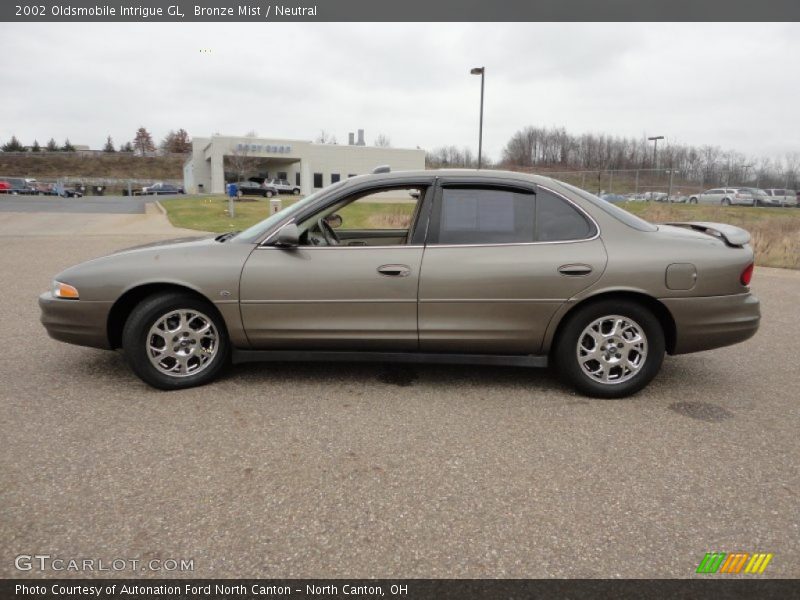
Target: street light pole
[[655, 148], [482, 72]]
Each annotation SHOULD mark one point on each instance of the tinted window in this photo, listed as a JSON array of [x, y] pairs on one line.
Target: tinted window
[[486, 216], [317, 180], [558, 220]]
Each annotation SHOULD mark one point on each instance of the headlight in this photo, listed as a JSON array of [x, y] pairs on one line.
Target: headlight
[[64, 290]]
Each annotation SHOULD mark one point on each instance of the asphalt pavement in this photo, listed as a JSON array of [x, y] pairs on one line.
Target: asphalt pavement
[[87, 204], [359, 470]]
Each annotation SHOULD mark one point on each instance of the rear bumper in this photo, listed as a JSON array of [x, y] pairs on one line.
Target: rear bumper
[[713, 321], [75, 321]]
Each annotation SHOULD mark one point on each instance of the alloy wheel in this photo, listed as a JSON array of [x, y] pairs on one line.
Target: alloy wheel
[[182, 342], [612, 349]]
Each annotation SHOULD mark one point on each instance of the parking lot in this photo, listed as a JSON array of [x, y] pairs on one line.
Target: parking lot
[[87, 204], [358, 470]]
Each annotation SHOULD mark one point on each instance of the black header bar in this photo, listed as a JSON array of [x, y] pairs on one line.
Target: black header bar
[[260, 11]]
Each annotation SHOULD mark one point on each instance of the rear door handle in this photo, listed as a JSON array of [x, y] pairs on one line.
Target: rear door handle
[[394, 270], [574, 270]]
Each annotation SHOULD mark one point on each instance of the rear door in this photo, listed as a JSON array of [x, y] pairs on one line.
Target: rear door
[[499, 261]]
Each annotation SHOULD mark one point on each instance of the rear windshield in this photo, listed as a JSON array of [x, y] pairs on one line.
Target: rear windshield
[[615, 211]]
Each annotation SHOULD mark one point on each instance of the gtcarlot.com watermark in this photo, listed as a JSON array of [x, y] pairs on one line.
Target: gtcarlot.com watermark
[[47, 562]]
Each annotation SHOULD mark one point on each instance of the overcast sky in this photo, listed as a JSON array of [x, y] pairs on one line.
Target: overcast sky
[[732, 85]]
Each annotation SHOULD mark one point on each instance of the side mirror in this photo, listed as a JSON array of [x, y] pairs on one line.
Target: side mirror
[[288, 236]]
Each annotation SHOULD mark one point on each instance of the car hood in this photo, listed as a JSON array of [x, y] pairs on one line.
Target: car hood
[[182, 241]]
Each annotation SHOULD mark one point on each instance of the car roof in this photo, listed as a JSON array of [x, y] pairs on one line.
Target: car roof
[[484, 174]]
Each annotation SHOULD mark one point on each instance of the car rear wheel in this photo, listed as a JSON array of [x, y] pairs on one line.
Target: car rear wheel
[[296, 192], [269, 194], [174, 341], [610, 349], [692, 200], [726, 202]]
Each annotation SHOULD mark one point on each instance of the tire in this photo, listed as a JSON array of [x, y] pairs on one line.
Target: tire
[[296, 191], [692, 200], [269, 194], [608, 376], [141, 333], [239, 194], [725, 202]]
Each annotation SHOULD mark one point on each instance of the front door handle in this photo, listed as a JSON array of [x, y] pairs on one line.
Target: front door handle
[[394, 270], [575, 270]]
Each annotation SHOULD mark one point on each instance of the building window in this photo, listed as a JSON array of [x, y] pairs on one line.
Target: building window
[[282, 175], [317, 180], [297, 178], [335, 177]]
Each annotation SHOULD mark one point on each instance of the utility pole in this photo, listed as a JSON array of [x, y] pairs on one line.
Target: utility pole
[[482, 72], [655, 139]]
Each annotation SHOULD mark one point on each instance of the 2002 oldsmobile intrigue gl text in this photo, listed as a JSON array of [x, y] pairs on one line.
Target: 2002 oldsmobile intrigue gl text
[[484, 267]]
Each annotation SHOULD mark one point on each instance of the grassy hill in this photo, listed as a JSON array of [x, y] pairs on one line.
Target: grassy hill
[[118, 165]]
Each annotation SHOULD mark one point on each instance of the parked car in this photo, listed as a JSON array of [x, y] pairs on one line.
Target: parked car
[[471, 278], [252, 188], [5, 187], [160, 189], [18, 186], [613, 198], [724, 197], [283, 186], [656, 196], [68, 191], [43, 189], [677, 198], [781, 197]]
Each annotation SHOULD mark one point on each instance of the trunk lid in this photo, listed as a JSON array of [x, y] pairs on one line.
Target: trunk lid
[[730, 234]]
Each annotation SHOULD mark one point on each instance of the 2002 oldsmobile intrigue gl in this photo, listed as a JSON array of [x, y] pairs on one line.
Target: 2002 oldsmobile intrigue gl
[[466, 266]]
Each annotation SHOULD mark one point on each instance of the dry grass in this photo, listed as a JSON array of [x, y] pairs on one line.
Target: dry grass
[[389, 221], [775, 231]]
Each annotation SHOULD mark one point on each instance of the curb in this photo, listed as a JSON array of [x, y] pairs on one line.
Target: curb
[[161, 208]]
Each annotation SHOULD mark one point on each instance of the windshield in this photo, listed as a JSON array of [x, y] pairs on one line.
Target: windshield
[[615, 211], [251, 234]]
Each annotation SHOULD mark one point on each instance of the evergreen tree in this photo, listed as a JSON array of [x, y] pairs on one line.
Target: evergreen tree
[[13, 145], [109, 147]]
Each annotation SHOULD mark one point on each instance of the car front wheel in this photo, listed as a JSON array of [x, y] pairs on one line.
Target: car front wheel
[[610, 349], [174, 341]]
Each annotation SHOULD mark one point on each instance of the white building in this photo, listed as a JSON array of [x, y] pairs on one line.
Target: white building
[[219, 159]]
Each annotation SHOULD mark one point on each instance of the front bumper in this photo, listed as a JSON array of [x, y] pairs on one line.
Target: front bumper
[[713, 321], [78, 322]]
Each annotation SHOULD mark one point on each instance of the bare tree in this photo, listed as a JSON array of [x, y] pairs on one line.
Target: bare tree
[[383, 141], [325, 138], [241, 162], [143, 142], [177, 142]]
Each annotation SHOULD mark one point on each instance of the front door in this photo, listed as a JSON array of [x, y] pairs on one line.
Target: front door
[[351, 284]]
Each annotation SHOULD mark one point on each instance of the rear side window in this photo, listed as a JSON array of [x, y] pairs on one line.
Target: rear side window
[[486, 216], [472, 215], [557, 220]]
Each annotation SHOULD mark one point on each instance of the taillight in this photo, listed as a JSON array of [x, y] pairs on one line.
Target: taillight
[[747, 275]]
